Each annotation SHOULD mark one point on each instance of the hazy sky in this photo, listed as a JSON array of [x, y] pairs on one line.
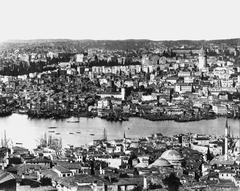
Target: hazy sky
[[119, 19]]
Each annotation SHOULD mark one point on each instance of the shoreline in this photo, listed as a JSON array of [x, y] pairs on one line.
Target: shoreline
[[152, 118]]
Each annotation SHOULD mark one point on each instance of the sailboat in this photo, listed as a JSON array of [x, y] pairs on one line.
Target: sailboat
[[4, 141], [104, 135]]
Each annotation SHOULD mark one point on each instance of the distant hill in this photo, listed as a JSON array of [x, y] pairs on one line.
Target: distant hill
[[130, 44]]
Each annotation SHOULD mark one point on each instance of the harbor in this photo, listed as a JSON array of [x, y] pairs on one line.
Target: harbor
[[88, 129]]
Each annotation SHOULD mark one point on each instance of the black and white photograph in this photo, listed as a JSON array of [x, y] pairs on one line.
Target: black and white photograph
[[119, 95]]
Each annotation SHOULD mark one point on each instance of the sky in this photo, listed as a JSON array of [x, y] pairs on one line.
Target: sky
[[119, 19]]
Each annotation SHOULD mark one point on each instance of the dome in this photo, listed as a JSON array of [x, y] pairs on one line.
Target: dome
[[160, 162], [172, 155], [141, 165]]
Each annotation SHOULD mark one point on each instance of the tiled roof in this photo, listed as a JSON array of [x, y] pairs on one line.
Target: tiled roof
[[5, 176], [62, 169], [130, 181], [79, 179], [68, 165]]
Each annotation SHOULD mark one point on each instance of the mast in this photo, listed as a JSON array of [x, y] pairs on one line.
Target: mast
[[239, 137], [5, 139], [2, 142], [104, 135]]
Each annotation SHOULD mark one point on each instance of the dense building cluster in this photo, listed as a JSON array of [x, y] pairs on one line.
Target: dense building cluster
[[156, 162], [156, 82]]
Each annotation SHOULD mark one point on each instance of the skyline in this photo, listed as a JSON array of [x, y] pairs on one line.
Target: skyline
[[119, 20]]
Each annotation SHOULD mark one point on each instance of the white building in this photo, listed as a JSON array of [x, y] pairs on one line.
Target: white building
[[79, 57]]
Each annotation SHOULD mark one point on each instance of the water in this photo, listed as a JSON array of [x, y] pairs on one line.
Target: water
[[29, 131]]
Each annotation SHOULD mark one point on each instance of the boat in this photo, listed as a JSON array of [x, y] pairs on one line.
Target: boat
[[22, 111], [52, 127], [75, 121], [57, 133], [51, 131], [124, 118], [18, 143], [92, 134], [78, 132], [71, 133]]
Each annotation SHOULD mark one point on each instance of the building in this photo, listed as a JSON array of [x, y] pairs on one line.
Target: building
[[160, 163], [202, 59], [173, 157]]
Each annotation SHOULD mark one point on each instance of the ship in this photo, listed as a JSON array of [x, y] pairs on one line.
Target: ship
[[50, 142], [73, 121]]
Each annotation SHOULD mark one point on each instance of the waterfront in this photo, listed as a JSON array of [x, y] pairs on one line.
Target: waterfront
[[21, 129]]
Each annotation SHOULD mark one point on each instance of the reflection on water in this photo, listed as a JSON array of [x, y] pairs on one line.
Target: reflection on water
[[28, 131]]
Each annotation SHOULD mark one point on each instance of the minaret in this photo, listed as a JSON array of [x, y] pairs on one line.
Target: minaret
[[229, 131], [124, 142], [226, 140]]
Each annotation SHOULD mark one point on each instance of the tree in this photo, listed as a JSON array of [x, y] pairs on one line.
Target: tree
[[46, 181], [92, 167], [133, 156], [209, 155], [15, 160], [137, 188], [172, 182]]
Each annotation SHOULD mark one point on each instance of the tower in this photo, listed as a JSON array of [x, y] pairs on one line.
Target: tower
[[226, 140], [123, 93], [124, 142], [202, 59]]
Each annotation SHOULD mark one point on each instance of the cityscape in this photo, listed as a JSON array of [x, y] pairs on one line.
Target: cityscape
[[119, 96]]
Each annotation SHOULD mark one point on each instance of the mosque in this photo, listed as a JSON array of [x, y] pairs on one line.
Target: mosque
[[170, 160], [231, 149]]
